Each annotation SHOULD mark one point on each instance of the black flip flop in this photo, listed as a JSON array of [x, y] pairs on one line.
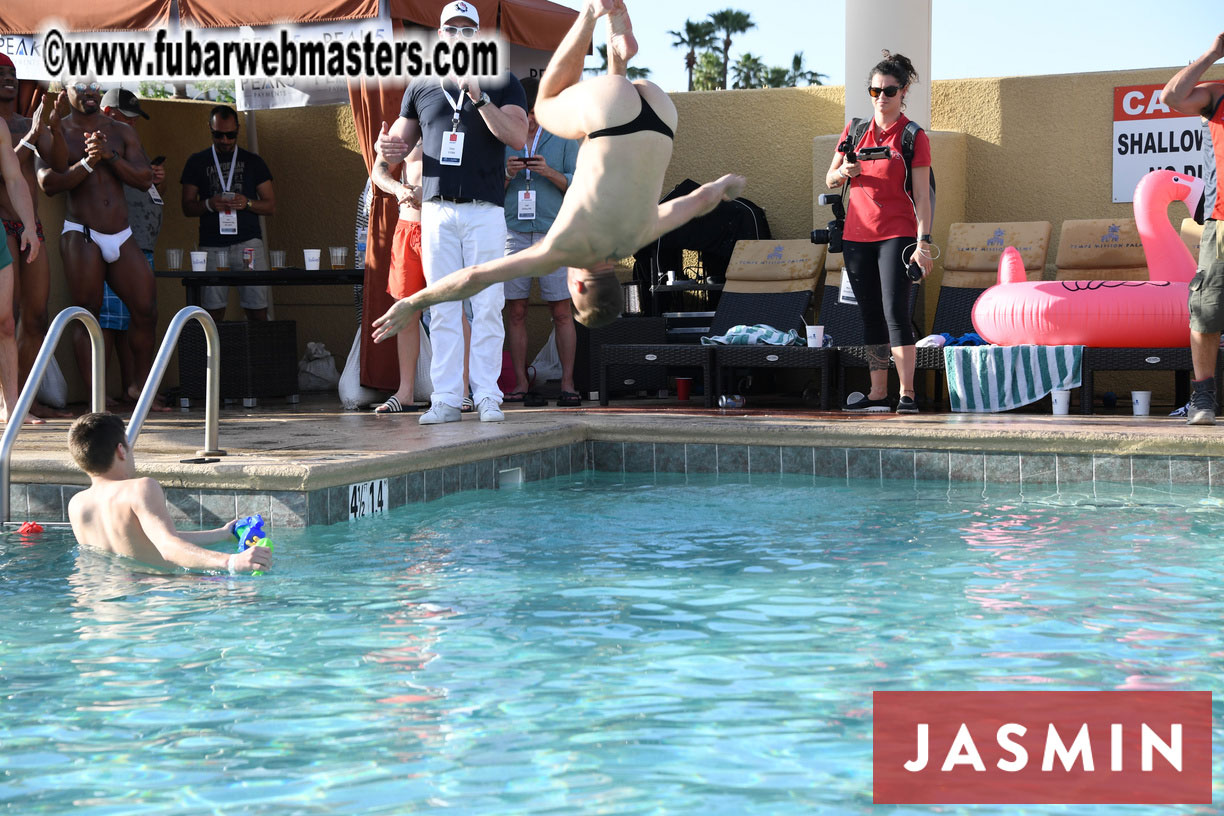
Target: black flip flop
[[534, 400], [569, 399]]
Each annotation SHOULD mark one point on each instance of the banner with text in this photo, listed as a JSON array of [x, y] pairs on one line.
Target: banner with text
[[1148, 135]]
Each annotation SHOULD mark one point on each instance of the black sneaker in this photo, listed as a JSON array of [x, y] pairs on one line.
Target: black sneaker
[[906, 405], [858, 403], [1202, 407]]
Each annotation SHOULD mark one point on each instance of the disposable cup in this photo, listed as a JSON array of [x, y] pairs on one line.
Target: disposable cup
[[815, 336], [174, 259], [1061, 400], [312, 258], [220, 259], [338, 255], [277, 258], [684, 385], [199, 261], [1141, 401], [670, 278]]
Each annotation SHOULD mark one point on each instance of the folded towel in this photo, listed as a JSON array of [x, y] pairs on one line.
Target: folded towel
[[933, 341], [758, 335], [998, 378]]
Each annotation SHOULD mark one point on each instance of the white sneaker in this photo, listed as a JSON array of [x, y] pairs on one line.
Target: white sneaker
[[440, 412], [490, 411]]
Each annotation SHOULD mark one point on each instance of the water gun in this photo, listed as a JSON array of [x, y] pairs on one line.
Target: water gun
[[250, 533]]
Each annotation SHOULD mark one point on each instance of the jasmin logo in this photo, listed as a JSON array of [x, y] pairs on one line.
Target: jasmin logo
[[1041, 747], [996, 239], [776, 255]]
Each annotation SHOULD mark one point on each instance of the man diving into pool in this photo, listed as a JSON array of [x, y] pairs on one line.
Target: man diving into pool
[[610, 209]]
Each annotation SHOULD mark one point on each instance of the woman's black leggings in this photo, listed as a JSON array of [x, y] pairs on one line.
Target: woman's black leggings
[[882, 289]]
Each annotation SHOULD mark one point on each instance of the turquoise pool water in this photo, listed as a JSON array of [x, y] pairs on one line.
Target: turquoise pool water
[[582, 646]]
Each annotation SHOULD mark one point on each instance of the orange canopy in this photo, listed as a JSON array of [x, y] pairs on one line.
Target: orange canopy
[[27, 16], [535, 24], [228, 13]]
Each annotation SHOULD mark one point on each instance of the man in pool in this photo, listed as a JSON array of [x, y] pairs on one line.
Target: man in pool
[[610, 210], [127, 515]]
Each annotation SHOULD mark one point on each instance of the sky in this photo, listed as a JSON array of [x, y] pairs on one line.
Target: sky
[[970, 38]]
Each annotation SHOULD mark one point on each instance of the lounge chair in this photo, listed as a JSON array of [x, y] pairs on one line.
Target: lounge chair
[[776, 293]]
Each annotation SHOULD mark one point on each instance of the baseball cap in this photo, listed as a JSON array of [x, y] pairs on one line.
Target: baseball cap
[[459, 8], [123, 101]]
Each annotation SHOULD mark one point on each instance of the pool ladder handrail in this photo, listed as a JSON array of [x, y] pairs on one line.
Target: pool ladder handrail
[[97, 401], [17, 414], [212, 379]]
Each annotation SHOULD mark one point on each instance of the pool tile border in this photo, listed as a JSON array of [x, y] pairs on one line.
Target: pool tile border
[[982, 474]]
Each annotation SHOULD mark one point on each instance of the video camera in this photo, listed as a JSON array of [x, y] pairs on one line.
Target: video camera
[[832, 235]]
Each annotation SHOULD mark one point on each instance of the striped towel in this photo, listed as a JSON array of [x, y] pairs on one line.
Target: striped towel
[[758, 335], [998, 378]]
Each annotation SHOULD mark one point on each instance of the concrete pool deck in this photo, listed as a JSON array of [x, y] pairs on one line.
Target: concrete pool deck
[[292, 454]]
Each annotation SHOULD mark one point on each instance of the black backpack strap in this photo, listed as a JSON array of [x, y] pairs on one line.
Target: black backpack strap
[[857, 128]]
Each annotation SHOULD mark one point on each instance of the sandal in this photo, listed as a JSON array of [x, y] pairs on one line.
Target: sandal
[[569, 399], [515, 396], [468, 406], [534, 400], [394, 406]]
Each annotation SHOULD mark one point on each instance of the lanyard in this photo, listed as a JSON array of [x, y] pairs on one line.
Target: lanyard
[[225, 185], [532, 151], [457, 104]]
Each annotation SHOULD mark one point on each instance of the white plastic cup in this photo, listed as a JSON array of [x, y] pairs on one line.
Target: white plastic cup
[[174, 259], [312, 258], [338, 255], [670, 278], [277, 258], [815, 336], [1061, 400], [1141, 401], [199, 261]]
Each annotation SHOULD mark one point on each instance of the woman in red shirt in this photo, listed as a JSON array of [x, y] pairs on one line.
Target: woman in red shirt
[[885, 231]]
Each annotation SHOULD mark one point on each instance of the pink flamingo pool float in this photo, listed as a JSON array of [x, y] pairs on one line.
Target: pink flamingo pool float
[[1103, 313]]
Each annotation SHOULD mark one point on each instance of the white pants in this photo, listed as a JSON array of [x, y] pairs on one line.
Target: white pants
[[455, 236]]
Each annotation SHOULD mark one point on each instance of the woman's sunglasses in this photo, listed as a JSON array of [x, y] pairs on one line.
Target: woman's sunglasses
[[889, 90]]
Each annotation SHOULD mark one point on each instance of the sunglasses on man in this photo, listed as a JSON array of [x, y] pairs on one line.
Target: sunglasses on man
[[81, 87], [226, 135], [888, 90], [467, 32]]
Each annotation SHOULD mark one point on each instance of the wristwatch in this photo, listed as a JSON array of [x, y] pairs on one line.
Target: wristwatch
[[248, 204], [925, 237], [480, 103]]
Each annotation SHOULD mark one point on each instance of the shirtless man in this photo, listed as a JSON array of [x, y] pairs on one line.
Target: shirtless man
[[96, 244], [611, 208], [126, 515], [18, 194], [32, 278]]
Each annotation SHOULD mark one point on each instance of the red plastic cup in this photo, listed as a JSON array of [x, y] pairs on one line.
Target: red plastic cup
[[683, 386]]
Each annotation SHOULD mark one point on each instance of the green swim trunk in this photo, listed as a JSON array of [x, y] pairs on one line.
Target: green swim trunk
[[1207, 287], [6, 258]]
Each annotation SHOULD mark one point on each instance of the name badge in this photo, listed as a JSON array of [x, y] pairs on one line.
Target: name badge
[[228, 222], [452, 149], [156, 196], [526, 205]]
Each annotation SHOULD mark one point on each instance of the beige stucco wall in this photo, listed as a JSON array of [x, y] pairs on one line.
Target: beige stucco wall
[[1023, 148]]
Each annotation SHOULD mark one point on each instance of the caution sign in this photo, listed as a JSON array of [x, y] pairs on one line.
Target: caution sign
[[1148, 135]]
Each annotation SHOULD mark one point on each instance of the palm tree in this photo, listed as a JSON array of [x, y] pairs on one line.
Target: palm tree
[[699, 35], [709, 72], [799, 73], [730, 22], [630, 73], [749, 71], [777, 77]]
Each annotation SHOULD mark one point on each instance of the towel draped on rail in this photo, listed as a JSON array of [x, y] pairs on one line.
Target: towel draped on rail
[[983, 379]]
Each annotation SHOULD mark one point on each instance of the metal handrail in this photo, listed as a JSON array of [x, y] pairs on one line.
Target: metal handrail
[[17, 415], [212, 380]]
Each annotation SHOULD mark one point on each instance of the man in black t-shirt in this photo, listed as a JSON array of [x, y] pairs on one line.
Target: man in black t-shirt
[[464, 129], [228, 188]]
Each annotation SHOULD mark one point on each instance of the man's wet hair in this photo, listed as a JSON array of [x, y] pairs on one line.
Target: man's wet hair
[[92, 440], [603, 301]]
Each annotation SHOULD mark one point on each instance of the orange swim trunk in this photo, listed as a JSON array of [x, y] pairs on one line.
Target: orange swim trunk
[[407, 276]]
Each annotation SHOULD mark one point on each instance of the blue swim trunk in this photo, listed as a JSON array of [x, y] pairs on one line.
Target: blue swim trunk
[[114, 314]]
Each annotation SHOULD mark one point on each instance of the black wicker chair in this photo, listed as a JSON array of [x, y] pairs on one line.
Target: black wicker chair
[[783, 310]]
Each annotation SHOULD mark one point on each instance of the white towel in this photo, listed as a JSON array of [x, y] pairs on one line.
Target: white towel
[[983, 379]]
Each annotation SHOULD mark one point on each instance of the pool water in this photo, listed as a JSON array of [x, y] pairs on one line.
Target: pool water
[[584, 645]]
